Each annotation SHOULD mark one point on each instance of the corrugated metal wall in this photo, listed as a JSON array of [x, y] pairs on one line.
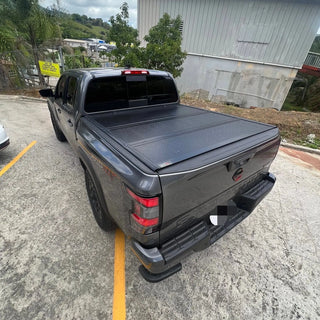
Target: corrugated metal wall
[[279, 32]]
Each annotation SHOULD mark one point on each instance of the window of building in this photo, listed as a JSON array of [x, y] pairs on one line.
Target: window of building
[[181, 27]]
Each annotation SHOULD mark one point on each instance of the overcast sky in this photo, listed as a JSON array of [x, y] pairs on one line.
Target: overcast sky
[[96, 8]]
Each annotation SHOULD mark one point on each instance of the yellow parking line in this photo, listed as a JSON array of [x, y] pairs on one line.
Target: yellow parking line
[[12, 162], [119, 280]]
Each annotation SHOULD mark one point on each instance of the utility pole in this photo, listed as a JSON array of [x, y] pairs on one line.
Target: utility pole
[[61, 58]]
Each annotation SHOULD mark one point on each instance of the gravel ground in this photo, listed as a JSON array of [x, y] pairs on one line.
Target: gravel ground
[[294, 126], [55, 262]]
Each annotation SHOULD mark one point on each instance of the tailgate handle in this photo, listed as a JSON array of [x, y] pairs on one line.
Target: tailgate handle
[[237, 163]]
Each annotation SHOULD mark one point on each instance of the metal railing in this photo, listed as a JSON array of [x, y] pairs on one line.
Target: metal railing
[[313, 59]]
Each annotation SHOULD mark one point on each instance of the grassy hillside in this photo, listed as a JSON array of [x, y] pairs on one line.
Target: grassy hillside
[[76, 30], [77, 27], [316, 45], [307, 83]]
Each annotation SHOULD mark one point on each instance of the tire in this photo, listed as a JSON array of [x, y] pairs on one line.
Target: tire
[[59, 134], [102, 216]]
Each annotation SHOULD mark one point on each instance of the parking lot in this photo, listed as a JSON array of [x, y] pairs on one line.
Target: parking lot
[[55, 262]]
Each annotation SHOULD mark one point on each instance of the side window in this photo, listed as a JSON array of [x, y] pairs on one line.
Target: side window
[[59, 94], [71, 91]]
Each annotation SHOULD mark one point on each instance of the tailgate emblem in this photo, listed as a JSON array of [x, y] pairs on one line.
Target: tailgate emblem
[[237, 175]]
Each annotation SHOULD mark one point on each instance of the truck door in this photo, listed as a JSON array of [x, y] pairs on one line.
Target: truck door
[[59, 100], [67, 110]]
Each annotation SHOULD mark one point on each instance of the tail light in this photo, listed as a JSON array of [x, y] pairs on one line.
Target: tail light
[[135, 72], [144, 215]]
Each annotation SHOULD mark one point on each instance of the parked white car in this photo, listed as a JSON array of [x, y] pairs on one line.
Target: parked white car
[[4, 139]]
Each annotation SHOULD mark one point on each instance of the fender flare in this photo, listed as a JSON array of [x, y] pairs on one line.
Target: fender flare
[[87, 165]]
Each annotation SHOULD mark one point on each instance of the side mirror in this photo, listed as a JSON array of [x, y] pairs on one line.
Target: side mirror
[[46, 93]]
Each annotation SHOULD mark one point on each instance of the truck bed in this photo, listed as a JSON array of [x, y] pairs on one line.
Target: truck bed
[[163, 136]]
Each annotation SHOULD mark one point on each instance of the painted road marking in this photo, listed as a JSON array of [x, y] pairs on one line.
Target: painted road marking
[[12, 162], [119, 280]]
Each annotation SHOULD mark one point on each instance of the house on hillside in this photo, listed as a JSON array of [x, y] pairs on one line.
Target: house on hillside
[[75, 43], [245, 52]]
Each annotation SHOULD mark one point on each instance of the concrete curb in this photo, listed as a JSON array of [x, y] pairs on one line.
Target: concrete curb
[[19, 97], [32, 98], [300, 148]]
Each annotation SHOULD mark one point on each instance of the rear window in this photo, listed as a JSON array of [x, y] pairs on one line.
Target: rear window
[[122, 92]]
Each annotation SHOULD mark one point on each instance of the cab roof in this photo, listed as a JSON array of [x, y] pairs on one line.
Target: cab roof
[[106, 72]]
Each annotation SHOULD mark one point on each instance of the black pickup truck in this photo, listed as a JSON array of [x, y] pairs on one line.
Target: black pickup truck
[[174, 178]]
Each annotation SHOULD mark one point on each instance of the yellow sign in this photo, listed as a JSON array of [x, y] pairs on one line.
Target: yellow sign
[[49, 68]]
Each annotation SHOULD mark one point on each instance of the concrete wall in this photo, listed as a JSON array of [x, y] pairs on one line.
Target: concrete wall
[[242, 83]]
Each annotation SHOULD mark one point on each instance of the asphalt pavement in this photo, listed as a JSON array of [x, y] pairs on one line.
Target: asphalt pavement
[[55, 262]]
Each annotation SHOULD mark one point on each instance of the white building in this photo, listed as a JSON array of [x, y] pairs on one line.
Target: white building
[[245, 52], [75, 43]]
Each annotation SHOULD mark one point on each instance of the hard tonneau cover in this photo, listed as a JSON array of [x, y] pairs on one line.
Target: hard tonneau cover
[[162, 136]]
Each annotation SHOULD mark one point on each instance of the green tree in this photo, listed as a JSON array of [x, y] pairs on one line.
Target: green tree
[[125, 37], [316, 45], [163, 50], [14, 53], [6, 41], [79, 59], [31, 24]]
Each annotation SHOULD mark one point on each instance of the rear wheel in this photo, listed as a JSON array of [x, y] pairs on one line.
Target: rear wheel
[[102, 216], [59, 134]]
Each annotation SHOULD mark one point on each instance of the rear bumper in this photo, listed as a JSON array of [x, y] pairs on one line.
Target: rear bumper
[[201, 235], [4, 144]]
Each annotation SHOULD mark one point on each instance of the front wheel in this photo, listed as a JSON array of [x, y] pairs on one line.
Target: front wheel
[[102, 216]]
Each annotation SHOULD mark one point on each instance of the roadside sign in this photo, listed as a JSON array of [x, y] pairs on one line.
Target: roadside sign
[[49, 68]]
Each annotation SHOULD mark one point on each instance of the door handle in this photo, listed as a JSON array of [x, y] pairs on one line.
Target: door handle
[[237, 163], [59, 110], [70, 123]]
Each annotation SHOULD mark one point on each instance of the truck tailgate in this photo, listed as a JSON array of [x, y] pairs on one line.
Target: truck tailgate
[[192, 195]]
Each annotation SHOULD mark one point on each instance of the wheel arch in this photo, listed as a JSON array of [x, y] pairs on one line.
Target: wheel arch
[[86, 164]]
